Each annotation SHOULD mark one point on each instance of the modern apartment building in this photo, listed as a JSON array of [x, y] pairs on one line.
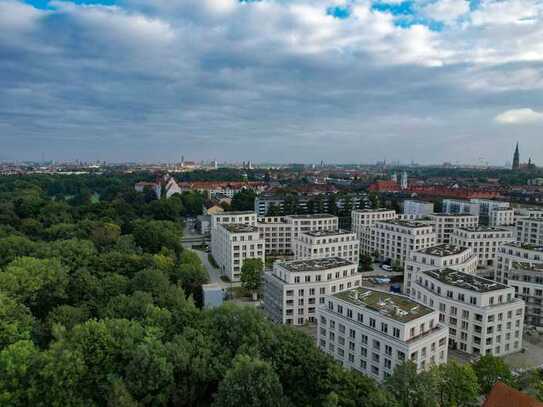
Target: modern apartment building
[[241, 217], [530, 231], [294, 289], [451, 206], [306, 223], [363, 219], [373, 331], [501, 217], [521, 267], [483, 316], [277, 234], [327, 243], [438, 257], [483, 240], [417, 207], [445, 224], [395, 239], [232, 244]]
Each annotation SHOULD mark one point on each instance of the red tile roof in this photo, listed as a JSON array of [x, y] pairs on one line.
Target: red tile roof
[[502, 395]]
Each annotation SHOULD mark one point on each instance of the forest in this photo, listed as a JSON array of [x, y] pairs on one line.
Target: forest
[[100, 305]]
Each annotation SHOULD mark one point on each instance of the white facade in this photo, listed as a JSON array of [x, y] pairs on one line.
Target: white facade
[[438, 257], [445, 224], [373, 331], [294, 289], [306, 223], [224, 218], [395, 239], [530, 231], [232, 244], [483, 316], [486, 206], [277, 233], [417, 208], [460, 206], [484, 241], [521, 267], [363, 219], [501, 217], [327, 243]]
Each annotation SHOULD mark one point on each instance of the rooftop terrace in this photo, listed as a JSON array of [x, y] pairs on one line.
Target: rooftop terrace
[[525, 246], [483, 228], [325, 233], [325, 263], [527, 266], [313, 216], [405, 223], [240, 228], [393, 306], [443, 250], [464, 280], [372, 210]]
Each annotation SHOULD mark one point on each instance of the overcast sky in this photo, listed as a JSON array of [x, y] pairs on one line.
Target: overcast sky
[[272, 80]]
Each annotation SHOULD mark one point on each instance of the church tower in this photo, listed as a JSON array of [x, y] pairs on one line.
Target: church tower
[[516, 159]]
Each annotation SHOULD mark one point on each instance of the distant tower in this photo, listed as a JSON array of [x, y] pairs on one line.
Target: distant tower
[[394, 177], [516, 159], [403, 183], [182, 161]]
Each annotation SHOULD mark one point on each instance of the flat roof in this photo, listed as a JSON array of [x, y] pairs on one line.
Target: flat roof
[[240, 228], [527, 266], [531, 219], [419, 201], [452, 215], [464, 280], [312, 216], [525, 246], [319, 264], [501, 208], [235, 213], [443, 250], [373, 210], [394, 306], [321, 233], [406, 223]]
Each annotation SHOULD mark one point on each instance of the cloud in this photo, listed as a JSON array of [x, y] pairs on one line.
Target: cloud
[[519, 116], [446, 10]]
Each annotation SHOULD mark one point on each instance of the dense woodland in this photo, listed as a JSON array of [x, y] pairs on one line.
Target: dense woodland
[[100, 306]]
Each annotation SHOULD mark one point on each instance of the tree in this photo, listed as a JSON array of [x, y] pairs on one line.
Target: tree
[[250, 382], [243, 200], [411, 389], [456, 384], [251, 275], [192, 276], [16, 321], [491, 369], [105, 235], [153, 235], [366, 262], [375, 200], [16, 369]]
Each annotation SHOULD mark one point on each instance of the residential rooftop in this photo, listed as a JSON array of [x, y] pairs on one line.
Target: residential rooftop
[[235, 213], [443, 250], [452, 215], [405, 223], [525, 246], [376, 210], [418, 201], [464, 280], [320, 264], [397, 307], [531, 219], [502, 209], [313, 216], [482, 228], [527, 266], [325, 233], [240, 228]]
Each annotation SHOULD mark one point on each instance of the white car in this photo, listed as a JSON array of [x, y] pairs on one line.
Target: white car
[[386, 267]]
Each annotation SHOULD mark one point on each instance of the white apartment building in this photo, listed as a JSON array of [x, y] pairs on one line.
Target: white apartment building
[[445, 224], [293, 290], [363, 219], [521, 267], [530, 231], [306, 223], [277, 234], [488, 205], [395, 239], [232, 244], [528, 213], [460, 206], [438, 257], [417, 208], [327, 243], [241, 217], [373, 331], [483, 316], [501, 217], [483, 240]]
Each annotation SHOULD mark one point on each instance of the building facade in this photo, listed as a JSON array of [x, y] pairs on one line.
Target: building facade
[[438, 257], [327, 243], [277, 234], [373, 331], [483, 316], [483, 240], [363, 219], [417, 207], [307, 223], [501, 217], [530, 231], [451, 206], [445, 224], [293, 290]]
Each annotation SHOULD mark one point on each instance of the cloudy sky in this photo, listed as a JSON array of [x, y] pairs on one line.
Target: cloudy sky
[[272, 80]]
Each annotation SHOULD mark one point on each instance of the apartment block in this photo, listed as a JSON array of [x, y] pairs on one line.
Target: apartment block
[[294, 289], [395, 239], [232, 244], [277, 234], [438, 257], [240, 217], [483, 316], [363, 219], [307, 223], [373, 331], [501, 217], [530, 231], [327, 243], [417, 208], [483, 240], [445, 224], [451, 206], [521, 266]]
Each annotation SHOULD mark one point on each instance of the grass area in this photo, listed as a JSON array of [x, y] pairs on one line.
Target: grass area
[[212, 261]]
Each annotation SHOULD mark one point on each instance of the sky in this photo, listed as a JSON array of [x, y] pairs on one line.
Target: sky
[[344, 81]]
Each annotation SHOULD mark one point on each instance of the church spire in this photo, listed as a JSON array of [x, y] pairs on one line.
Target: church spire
[[516, 159]]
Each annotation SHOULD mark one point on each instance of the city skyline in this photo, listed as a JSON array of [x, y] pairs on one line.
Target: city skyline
[[271, 81]]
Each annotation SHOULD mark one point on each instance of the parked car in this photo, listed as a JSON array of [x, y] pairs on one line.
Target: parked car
[[386, 267]]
